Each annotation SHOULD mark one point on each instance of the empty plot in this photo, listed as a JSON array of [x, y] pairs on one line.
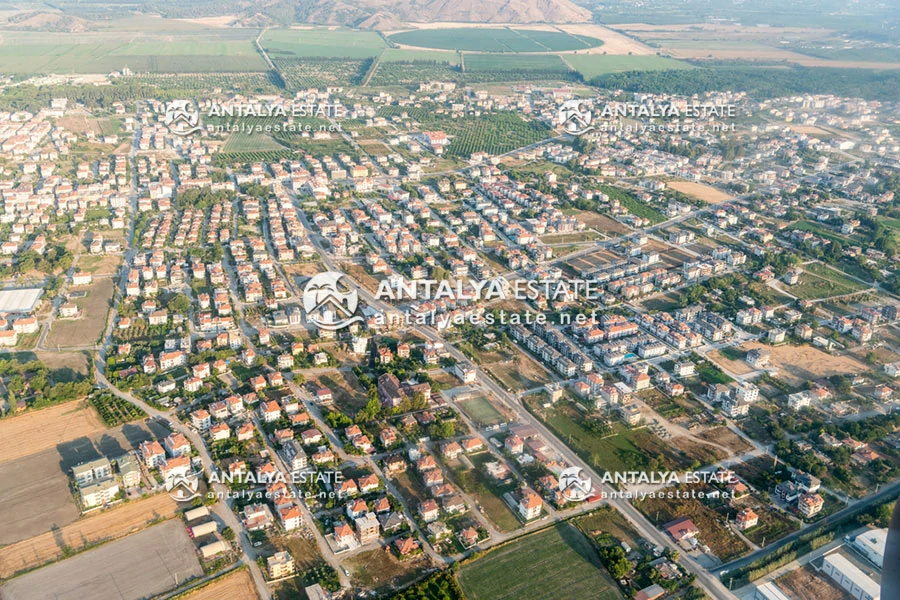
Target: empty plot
[[85, 331], [236, 584], [556, 563], [704, 192], [43, 429], [97, 527], [139, 566], [34, 497]]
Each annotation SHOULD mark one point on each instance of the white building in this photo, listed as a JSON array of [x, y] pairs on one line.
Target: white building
[[871, 545], [849, 577]]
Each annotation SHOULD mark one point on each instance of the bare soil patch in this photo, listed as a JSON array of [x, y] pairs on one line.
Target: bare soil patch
[[236, 584], [35, 431], [97, 527], [704, 192]]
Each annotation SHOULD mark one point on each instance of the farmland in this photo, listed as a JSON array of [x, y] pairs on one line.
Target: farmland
[[98, 527], [414, 71], [311, 71], [235, 584], [592, 65], [495, 40], [321, 42], [555, 563], [492, 67], [116, 411], [25, 52], [43, 429], [139, 566], [35, 476]]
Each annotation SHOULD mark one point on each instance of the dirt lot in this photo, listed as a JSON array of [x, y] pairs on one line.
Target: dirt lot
[[99, 526], [139, 566], [602, 223], [520, 373], [725, 437], [105, 264], [85, 331], [39, 430], [347, 393], [797, 364], [34, 477], [704, 192], [378, 568], [66, 366], [236, 584], [805, 584]]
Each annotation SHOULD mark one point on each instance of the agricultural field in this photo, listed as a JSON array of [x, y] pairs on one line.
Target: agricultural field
[[87, 330], [304, 72], [493, 67], [235, 584], [26, 52], [321, 42], [494, 133], [35, 476], [39, 430], [115, 411], [495, 40], [240, 142], [97, 527], [415, 71], [141, 565], [259, 82], [556, 563], [594, 65], [405, 56]]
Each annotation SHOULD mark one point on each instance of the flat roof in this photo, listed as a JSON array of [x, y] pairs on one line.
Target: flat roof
[[854, 573], [23, 300]]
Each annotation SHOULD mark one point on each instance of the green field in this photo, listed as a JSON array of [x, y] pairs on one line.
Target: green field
[[402, 55], [104, 52], [627, 450], [332, 43], [254, 142], [558, 563], [517, 62], [592, 65], [482, 411], [818, 281], [495, 40]]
